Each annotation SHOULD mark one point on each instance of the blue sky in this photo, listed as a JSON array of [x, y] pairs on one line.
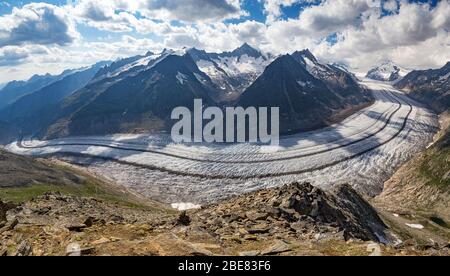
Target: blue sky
[[50, 36]]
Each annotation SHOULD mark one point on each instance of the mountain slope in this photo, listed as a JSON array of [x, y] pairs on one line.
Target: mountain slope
[[137, 102], [19, 171], [17, 89], [339, 81], [387, 71], [7, 133], [294, 220], [30, 112], [429, 86], [305, 102], [423, 184]]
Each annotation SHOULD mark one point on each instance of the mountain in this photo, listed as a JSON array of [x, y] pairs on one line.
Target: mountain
[[138, 94], [339, 81], [232, 72], [16, 89], [32, 110], [7, 133], [308, 93], [387, 71], [429, 86], [19, 171], [134, 98], [422, 186]]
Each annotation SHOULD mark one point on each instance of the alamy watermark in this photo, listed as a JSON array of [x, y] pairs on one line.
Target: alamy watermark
[[228, 125]]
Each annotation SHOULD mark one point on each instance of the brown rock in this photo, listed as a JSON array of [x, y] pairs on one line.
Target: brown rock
[[277, 248], [250, 253], [10, 225], [259, 229], [254, 216]]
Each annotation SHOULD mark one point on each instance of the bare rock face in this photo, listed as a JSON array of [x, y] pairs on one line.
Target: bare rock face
[[295, 209]]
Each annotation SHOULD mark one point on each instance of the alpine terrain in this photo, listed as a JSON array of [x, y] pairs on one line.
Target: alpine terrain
[[387, 71]]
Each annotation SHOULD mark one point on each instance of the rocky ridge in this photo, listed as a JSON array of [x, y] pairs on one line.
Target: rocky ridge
[[297, 219]]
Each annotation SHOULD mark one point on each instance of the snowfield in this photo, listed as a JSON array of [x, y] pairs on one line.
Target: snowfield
[[363, 150]]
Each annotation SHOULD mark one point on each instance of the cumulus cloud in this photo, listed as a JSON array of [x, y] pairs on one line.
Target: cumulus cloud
[[121, 13], [415, 35], [37, 23], [273, 7], [191, 10], [390, 5], [16, 55], [409, 37]]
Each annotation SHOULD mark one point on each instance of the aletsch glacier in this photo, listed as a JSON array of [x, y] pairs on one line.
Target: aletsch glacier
[[363, 150]]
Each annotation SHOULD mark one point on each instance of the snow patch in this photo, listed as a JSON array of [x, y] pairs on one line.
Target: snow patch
[[182, 78], [415, 226], [183, 206]]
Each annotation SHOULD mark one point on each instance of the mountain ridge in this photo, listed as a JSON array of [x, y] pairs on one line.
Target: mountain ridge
[[387, 71]]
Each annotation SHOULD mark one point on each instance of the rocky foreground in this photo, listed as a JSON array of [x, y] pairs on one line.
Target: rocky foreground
[[297, 219]]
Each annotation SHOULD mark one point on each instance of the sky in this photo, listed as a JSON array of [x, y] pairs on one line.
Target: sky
[[38, 37]]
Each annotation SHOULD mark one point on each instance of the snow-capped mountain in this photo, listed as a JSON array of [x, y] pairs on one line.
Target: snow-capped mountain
[[387, 71], [135, 96], [429, 86], [234, 71], [307, 92], [139, 93], [338, 80]]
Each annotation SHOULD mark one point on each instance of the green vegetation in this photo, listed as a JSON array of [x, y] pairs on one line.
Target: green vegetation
[[434, 168], [436, 165], [89, 189]]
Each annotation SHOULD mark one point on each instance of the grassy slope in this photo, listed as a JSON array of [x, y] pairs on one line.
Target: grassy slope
[[423, 184], [22, 178]]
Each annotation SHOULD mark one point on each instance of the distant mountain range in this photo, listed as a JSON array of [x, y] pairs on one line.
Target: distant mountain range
[[429, 86], [14, 90], [33, 109], [387, 71], [138, 94]]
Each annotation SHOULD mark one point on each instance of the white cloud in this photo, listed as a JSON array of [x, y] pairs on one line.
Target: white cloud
[[37, 23], [121, 12], [191, 10], [390, 5], [410, 38], [413, 35], [273, 7]]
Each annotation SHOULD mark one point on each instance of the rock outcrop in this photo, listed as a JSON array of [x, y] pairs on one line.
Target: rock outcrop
[[298, 209]]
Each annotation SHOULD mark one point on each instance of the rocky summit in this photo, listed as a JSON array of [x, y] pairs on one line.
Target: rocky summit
[[299, 210]]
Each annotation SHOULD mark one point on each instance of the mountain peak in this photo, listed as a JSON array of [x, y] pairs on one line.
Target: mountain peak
[[387, 71], [306, 53], [248, 50]]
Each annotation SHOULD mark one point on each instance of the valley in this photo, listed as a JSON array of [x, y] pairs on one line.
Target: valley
[[364, 150]]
